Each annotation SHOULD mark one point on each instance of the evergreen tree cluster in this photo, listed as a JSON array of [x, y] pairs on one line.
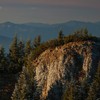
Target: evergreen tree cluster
[[75, 90], [25, 87], [20, 56], [83, 91], [16, 58], [19, 50], [80, 35]]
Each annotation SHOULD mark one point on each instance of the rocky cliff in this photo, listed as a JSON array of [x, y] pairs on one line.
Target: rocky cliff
[[74, 61]]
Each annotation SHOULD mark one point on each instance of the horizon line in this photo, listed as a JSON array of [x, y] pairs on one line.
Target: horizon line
[[48, 23]]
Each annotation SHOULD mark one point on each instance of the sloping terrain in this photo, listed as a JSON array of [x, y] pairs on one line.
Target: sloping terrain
[[72, 62], [55, 66]]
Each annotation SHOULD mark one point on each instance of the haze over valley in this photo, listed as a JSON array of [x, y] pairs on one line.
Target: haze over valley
[[47, 31]]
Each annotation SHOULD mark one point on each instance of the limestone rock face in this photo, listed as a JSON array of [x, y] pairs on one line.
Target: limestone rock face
[[72, 61]]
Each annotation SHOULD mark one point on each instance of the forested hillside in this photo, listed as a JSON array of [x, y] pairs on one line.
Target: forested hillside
[[64, 68]]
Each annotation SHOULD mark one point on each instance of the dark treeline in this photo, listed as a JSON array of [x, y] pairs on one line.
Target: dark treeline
[[16, 58], [22, 53], [74, 90], [83, 91]]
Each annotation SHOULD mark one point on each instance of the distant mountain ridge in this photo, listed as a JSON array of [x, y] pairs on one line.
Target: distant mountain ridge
[[47, 31]]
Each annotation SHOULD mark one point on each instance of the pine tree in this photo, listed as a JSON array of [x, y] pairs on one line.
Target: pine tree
[[61, 38], [86, 32], [14, 49], [28, 48], [37, 41], [21, 49], [94, 92], [21, 53], [60, 35], [21, 88], [13, 56], [27, 51], [24, 88], [3, 62]]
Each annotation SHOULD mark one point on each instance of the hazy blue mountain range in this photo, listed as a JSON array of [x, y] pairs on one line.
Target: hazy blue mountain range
[[47, 31]]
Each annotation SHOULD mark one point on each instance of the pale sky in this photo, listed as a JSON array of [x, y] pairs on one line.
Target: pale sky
[[49, 11]]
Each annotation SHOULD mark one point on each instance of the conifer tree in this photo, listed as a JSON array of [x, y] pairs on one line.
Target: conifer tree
[[60, 35], [21, 53], [94, 92], [37, 41], [13, 56], [28, 48], [21, 48], [3, 62], [14, 49], [61, 38], [21, 88], [24, 88], [86, 33]]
